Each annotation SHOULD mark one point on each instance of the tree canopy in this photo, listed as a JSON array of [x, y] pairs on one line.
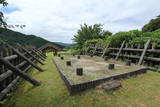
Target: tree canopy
[[90, 32], [153, 25], [2, 22]]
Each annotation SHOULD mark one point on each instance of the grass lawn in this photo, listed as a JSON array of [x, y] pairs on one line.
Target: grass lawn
[[93, 67], [140, 91]]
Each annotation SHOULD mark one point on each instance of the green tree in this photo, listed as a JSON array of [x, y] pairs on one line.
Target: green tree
[[2, 22], [153, 25], [107, 33], [88, 33]]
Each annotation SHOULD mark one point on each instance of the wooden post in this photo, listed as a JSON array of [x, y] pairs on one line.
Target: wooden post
[[120, 50], [21, 55], [62, 57], [104, 52], [128, 62], [95, 48], [68, 63], [79, 71], [30, 54], [78, 57], [144, 52], [19, 72], [111, 66]]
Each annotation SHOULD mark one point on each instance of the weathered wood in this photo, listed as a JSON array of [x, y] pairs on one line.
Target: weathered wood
[[110, 66], [128, 62], [11, 57], [78, 57], [144, 52], [12, 84], [25, 58], [104, 52], [68, 63], [19, 72], [6, 90], [41, 57], [30, 54], [40, 52], [95, 48], [79, 71], [62, 57], [120, 50]]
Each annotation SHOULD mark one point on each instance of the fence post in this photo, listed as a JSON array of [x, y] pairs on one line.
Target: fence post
[[120, 50], [144, 52], [104, 52]]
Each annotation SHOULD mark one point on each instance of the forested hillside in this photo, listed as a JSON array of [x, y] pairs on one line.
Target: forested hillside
[[13, 37]]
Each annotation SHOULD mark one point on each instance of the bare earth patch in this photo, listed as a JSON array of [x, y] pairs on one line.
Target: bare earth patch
[[93, 68]]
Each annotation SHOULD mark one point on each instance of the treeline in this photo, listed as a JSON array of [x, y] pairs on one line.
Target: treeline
[[96, 35], [13, 37]]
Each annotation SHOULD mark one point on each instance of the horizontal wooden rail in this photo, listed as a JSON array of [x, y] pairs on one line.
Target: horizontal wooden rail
[[11, 57], [9, 87], [9, 72]]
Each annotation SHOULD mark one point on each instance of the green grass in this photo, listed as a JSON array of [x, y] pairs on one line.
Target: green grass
[[140, 91]]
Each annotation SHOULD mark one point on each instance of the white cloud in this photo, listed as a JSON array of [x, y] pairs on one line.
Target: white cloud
[[58, 20]]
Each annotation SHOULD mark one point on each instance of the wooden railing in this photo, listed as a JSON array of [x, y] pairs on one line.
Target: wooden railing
[[139, 54], [14, 63]]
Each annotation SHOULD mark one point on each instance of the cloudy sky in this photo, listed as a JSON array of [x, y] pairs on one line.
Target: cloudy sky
[[58, 20]]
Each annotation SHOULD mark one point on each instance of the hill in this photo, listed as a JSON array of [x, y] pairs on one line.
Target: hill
[[63, 44], [13, 37]]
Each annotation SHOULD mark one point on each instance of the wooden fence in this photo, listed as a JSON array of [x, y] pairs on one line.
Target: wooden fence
[[138, 54], [14, 63]]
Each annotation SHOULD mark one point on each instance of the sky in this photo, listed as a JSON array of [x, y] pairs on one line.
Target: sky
[[59, 20]]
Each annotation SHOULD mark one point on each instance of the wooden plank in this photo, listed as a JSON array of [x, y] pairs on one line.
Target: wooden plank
[[30, 54], [120, 50], [25, 58], [144, 52], [19, 72]]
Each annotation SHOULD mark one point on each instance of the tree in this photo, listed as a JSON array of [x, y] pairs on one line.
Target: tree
[[2, 22], [107, 33], [153, 25], [88, 33]]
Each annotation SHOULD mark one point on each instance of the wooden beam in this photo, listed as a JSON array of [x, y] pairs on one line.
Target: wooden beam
[[39, 53], [120, 50], [19, 72], [12, 84], [41, 57], [25, 58], [144, 52], [30, 54], [95, 48], [11, 57], [104, 52]]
